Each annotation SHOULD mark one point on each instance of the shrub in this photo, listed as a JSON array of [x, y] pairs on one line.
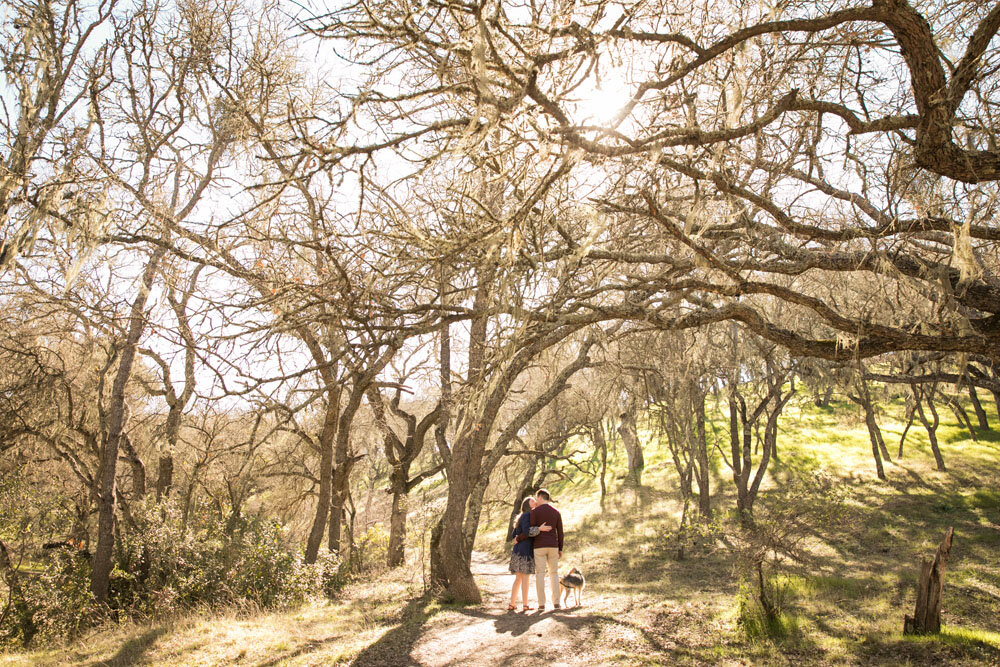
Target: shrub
[[162, 563], [371, 552], [765, 622]]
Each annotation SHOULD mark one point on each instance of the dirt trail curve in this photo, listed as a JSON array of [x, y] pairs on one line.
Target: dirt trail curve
[[488, 634]]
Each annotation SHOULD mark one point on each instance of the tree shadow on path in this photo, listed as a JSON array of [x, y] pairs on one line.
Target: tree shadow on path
[[393, 648]]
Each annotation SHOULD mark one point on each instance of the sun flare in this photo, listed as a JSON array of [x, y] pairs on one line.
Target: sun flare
[[600, 101]]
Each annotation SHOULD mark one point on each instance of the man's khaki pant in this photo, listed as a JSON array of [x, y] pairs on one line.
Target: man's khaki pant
[[546, 557]]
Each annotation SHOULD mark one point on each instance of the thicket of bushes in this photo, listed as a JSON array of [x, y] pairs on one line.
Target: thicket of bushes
[[163, 564]]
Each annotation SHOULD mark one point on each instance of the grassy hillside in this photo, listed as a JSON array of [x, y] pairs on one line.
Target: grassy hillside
[[847, 595], [844, 594]]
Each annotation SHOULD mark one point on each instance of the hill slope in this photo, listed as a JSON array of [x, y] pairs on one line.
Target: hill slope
[[844, 593]]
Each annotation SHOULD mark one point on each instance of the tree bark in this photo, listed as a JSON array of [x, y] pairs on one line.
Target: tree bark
[[326, 447], [930, 425], [740, 423], [879, 451], [926, 617], [984, 422], [341, 495], [343, 459], [737, 406], [164, 476], [962, 416], [107, 496], [176, 403], [879, 469], [601, 445], [823, 400], [452, 562], [470, 466], [397, 519], [910, 414], [701, 459], [401, 453], [633, 448], [466, 461], [138, 468]]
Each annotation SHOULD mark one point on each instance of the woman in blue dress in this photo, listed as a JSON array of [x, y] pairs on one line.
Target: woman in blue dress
[[522, 559]]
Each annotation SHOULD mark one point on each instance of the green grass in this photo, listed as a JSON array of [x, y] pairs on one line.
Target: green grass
[[848, 595], [845, 593]]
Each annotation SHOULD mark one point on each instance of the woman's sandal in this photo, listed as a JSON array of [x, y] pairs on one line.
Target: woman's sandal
[[512, 607], [527, 608]]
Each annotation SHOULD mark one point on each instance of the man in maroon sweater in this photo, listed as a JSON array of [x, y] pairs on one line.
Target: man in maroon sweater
[[548, 547]]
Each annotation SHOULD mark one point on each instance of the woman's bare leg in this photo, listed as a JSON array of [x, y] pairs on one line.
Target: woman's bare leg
[[524, 588], [513, 589]]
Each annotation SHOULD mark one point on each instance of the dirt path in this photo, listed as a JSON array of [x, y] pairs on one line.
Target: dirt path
[[490, 635]]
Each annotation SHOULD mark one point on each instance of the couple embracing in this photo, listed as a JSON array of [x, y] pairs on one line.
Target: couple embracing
[[538, 546]]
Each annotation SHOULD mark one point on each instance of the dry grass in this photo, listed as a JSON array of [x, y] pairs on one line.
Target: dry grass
[[320, 632], [846, 595]]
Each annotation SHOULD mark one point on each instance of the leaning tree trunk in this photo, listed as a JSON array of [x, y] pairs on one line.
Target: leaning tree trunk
[[962, 416], [879, 451], [100, 578], [926, 617], [984, 422], [872, 429]]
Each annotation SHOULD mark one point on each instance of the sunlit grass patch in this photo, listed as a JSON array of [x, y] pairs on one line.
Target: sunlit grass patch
[[958, 636], [828, 586]]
